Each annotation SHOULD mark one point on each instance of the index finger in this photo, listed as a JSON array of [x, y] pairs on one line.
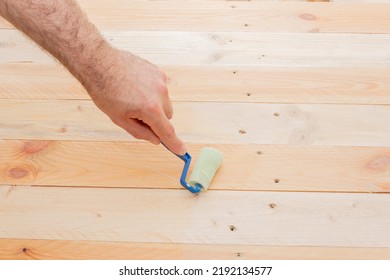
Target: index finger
[[164, 129]]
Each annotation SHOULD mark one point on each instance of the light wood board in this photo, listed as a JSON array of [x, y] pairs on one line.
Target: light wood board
[[228, 48], [245, 167], [218, 84], [177, 216], [206, 122], [28, 249], [263, 16]]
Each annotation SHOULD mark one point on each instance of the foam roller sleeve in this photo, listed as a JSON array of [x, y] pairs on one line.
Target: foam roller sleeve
[[206, 166]]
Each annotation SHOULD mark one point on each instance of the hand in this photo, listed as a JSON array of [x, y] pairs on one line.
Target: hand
[[130, 90], [133, 93]]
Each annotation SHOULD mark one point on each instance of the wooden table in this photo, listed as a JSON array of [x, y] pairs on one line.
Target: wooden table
[[295, 94]]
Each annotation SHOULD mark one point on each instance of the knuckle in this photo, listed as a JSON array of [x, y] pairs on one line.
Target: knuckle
[[164, 90], [152, 107], [138, 109], [164, 76], [161, 73], [136, 112]]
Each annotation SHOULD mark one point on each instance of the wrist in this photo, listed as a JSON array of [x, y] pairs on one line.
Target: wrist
[[92, 65]]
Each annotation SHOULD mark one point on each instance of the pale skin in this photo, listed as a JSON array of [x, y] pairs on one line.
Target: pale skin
[[131, 91]]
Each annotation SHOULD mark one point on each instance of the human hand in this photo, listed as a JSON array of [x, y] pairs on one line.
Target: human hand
[[130, 90], [133, 93]]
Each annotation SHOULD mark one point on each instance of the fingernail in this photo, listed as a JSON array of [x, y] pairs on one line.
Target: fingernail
[[183, 150]]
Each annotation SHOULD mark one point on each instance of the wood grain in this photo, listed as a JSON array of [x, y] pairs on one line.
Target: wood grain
[[218, 84], [229, 48], [206, 122], [237, 16], [245, 167], [27, 249], [177, 216], [295, 95]]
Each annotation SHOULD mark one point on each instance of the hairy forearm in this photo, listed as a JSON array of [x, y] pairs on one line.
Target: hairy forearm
[[61, 28], [129, 89]]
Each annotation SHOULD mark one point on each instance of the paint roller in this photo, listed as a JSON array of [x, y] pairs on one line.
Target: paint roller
[[208, 163]]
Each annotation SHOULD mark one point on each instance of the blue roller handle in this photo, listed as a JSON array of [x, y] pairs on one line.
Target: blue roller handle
[[187, 161]]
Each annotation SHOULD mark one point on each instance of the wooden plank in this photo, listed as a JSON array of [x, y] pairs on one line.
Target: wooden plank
[[18, 47], [240, 16], [25, 249], [218, 84], [237, 16], [214, 217], [245, 167], [229, 48], [206, 122], [37, 81]]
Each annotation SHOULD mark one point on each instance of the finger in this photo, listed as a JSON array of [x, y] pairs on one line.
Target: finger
[[140, 130], [167, 107], [163, 128], [166, 102]]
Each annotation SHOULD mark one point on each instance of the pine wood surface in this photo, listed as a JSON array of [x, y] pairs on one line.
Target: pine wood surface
[[127, 165], [340, 85], [263, 16], [295, 94], [255, 49], [206, 122], [217, 217], [30, 249]]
